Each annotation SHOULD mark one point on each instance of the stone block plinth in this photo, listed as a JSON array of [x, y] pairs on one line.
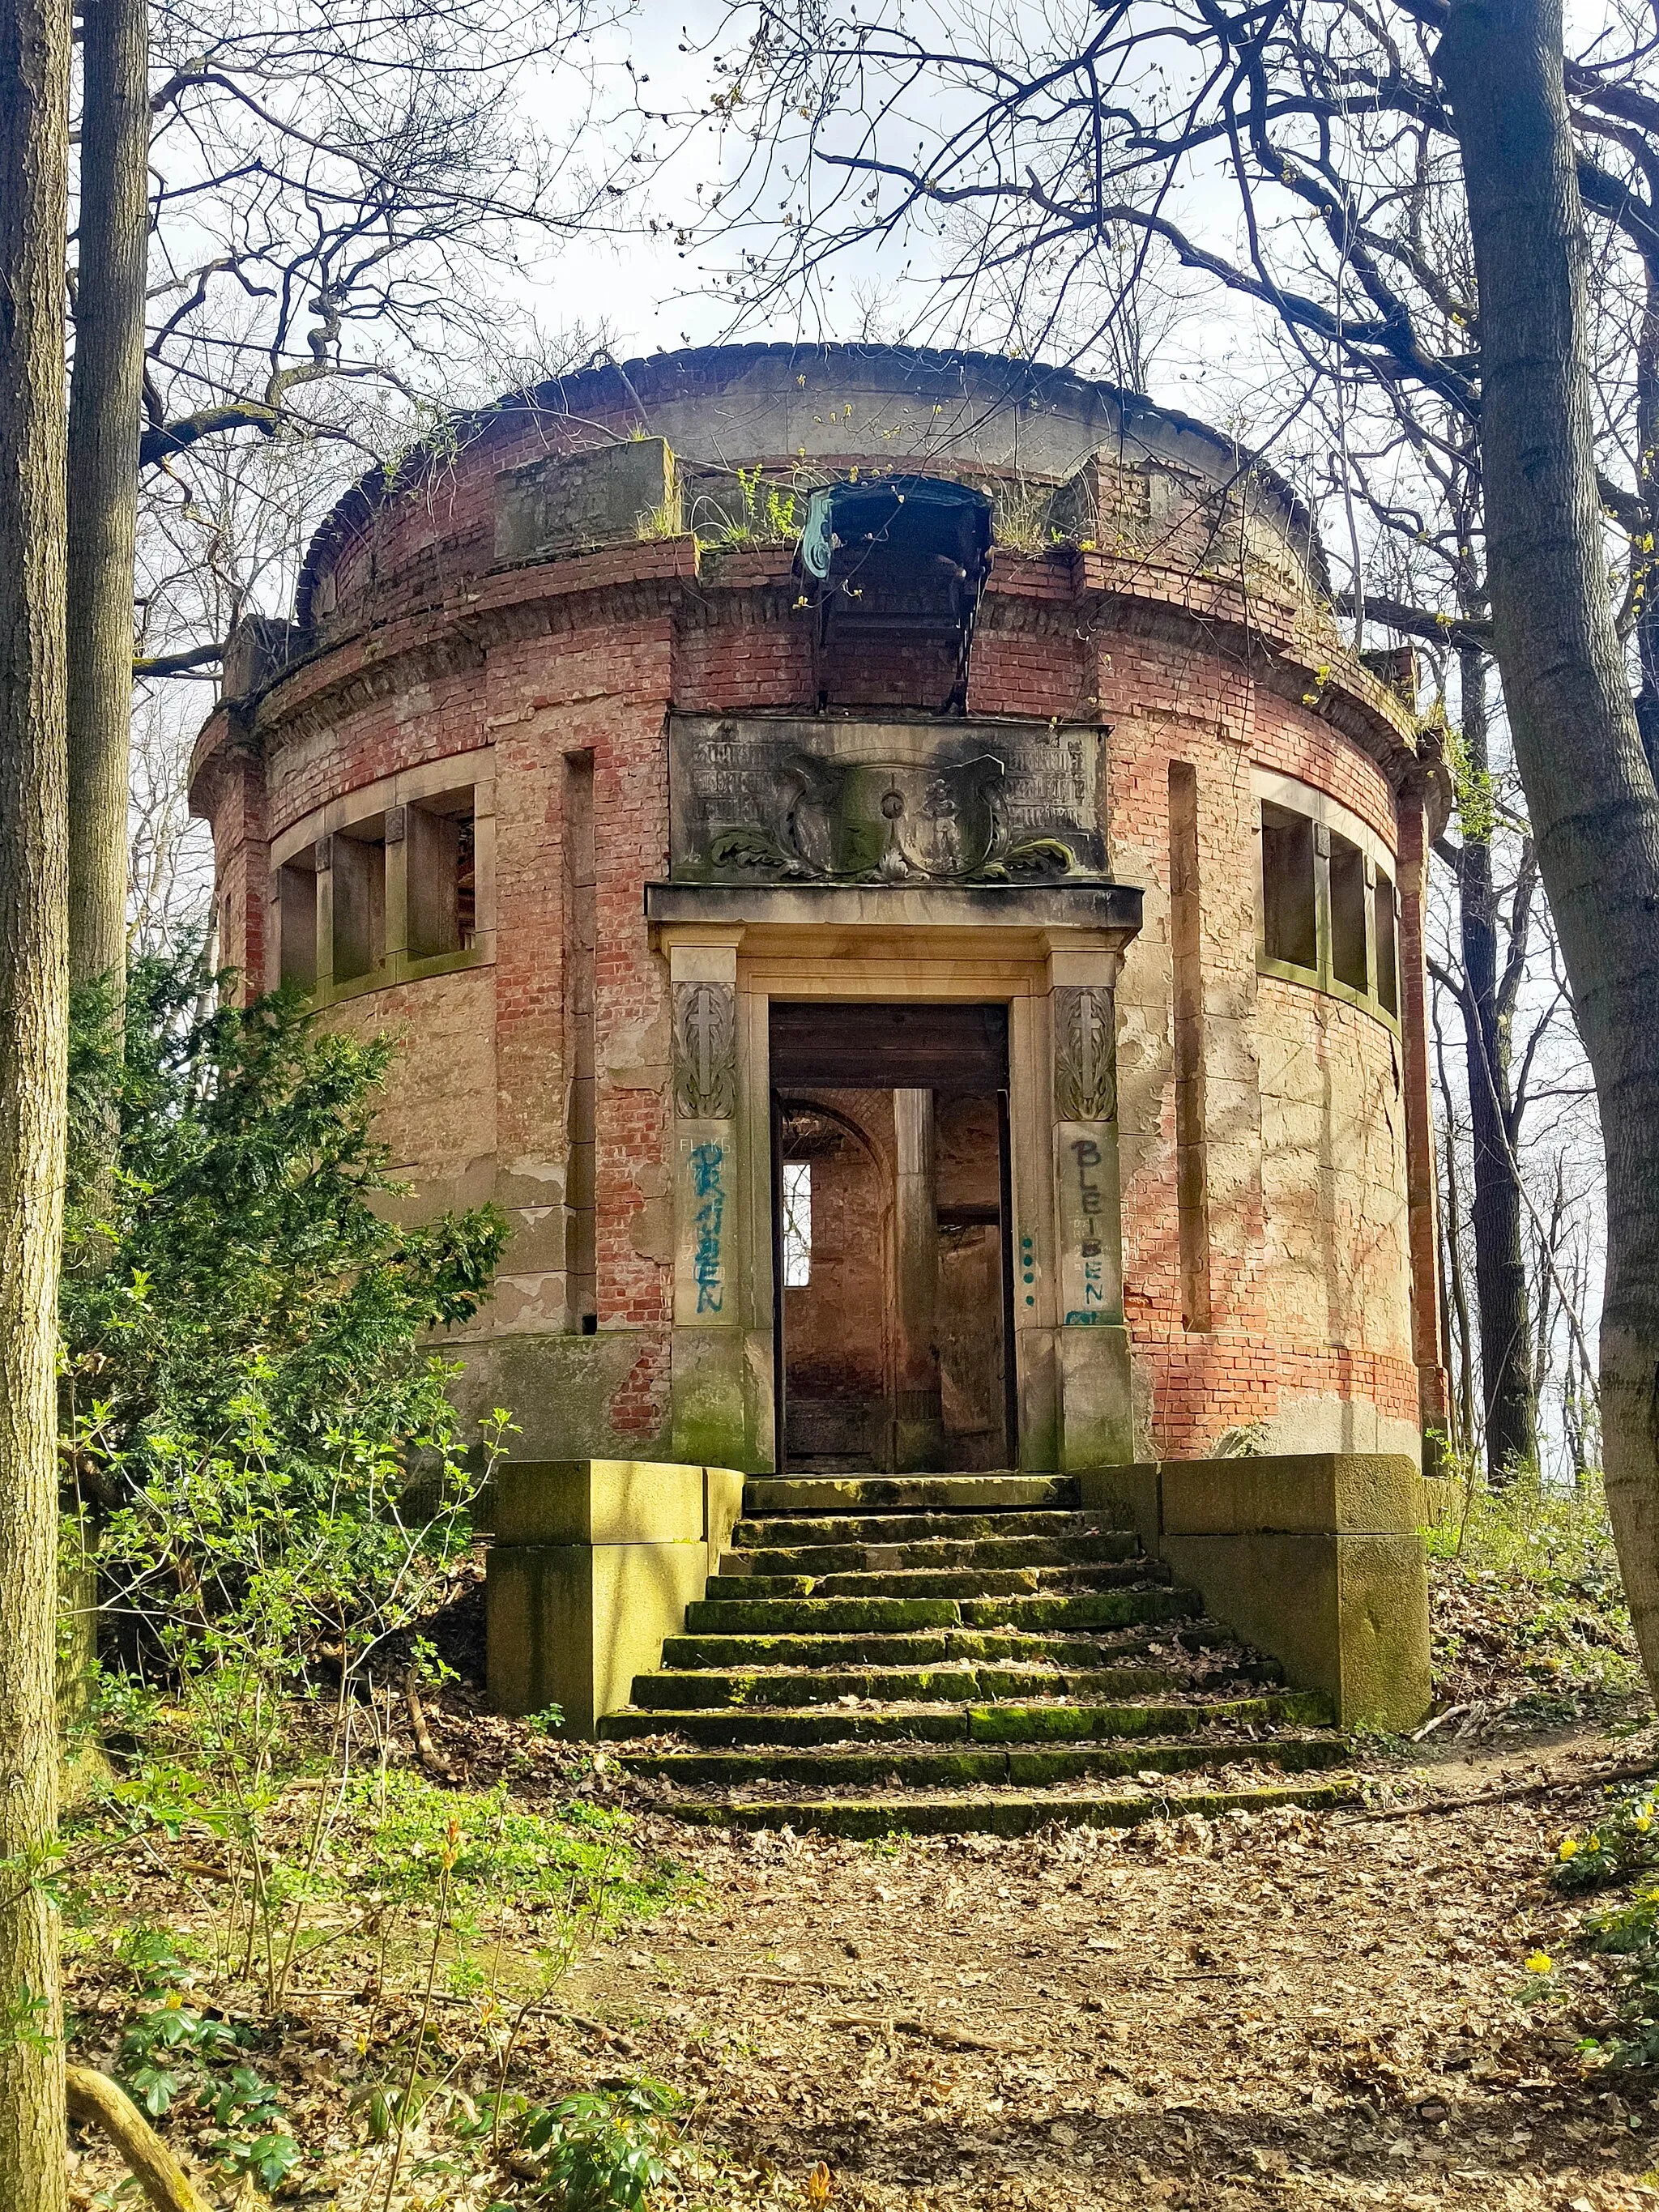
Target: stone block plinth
[[594, 1563], [1315, 1559]]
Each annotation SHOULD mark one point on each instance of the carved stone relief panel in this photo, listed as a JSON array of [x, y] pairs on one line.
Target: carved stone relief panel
[[705, 1052], [785, 799], [1085, 1080]]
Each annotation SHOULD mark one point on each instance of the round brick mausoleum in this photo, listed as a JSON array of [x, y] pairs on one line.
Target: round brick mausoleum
[[884, 868]]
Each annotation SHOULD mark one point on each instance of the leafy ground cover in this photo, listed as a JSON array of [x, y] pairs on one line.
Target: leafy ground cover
[[1407, 2008], [1318, 2010], [1529, 1613]]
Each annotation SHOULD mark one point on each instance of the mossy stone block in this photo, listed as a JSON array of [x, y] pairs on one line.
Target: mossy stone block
[[577, 502], [846, 1616], [1306, 1494]]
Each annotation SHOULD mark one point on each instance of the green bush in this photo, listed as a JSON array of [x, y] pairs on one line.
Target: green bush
[[393, 1829], [1527, 1582], [1530, 1528], [604, 2151], [248, 1392]]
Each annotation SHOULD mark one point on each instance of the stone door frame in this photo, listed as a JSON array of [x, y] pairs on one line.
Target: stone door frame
[[1071, 1348]]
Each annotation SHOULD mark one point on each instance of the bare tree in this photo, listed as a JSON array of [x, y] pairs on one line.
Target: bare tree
[[289, 226], [1495, 923], [1416, 533], [1319, 118], [105, 396], [34, 68], [1590, 786]]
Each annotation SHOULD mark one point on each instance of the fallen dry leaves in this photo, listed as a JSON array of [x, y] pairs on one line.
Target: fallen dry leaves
[[1290, 2011]]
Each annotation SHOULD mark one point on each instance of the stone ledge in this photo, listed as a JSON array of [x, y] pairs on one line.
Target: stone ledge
[[1326, 1493], [1111, 908]]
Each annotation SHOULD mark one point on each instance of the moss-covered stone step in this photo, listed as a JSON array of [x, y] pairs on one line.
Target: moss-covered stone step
[[699, 1689], [969, 1812], [1078, 1719], [946, 1766], [915, 1494], [1096, 1609], [937, 1554], [849, 1616], [917, 1648], [863, 1528], [718, 1688], [921, 1723], [798, 1725], [931, 1582], [830, 1616]]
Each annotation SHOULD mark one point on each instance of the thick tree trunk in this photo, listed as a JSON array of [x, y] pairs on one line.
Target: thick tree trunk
[[105, 395], [1589, 789], [1508, 1405], [1647, 486], [34, 60]]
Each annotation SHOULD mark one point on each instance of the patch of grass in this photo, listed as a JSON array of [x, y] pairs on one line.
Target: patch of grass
[[392, 1831], [1530, 1528], [1528, 1605]]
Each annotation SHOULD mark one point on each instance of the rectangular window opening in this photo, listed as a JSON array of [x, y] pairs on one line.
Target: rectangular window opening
[[1348, 963], [442, 879], [296, 924], [1388, 950], [1289, 924], [359, 886], [797, 1224]]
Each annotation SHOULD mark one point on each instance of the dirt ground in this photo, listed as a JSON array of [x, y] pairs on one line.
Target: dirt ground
[[1289, 2010], [1292, 2009]]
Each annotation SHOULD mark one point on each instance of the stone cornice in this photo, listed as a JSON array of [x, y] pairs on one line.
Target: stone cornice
[[1290, 644]]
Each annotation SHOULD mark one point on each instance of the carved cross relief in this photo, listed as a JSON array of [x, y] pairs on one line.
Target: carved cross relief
[[705, 1052], [1085, 1080]]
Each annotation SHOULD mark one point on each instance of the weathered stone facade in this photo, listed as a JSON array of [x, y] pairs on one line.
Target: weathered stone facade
[[572, 767]]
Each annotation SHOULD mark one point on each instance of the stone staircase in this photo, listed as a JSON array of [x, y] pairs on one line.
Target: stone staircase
[[935, 1654]]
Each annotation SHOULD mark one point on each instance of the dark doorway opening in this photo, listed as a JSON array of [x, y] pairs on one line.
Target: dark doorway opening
[[892, 1252]]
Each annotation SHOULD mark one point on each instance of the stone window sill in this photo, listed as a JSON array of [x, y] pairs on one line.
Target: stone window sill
[[1310, 978]]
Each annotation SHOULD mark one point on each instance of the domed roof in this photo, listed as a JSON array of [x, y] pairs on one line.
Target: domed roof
[[726, 407]]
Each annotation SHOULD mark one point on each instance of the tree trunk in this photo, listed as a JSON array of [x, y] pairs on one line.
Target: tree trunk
[[1589, 789], [34, 65], [1454, 1296], [105, 397], [1647, 487], [1500, 1266]]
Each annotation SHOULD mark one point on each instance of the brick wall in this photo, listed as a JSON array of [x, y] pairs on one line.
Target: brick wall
[[1304, 1142], [1305, 1138], [241, 866]]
